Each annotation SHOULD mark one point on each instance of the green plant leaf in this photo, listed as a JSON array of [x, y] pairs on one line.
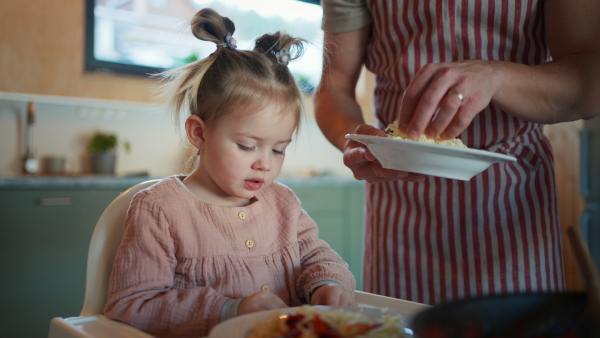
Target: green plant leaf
[[102, 142]]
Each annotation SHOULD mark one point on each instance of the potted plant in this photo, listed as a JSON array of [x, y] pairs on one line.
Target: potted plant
[[102, 148]]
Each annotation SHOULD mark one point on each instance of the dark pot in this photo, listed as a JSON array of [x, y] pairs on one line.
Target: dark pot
[[103, 163], [515, 315]]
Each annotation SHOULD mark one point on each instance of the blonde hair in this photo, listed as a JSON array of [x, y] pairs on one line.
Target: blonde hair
[[230, 78]]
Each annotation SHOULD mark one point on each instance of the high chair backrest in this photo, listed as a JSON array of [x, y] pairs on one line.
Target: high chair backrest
[[103, 248]]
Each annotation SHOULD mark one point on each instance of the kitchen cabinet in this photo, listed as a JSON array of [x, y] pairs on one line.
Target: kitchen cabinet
[[45, 231], [44, 238]]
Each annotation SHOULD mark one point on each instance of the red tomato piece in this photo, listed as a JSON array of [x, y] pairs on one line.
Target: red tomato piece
[[320, 326]]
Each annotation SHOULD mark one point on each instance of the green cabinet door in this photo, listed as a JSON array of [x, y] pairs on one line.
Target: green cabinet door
[[354, 220], [44, 240]]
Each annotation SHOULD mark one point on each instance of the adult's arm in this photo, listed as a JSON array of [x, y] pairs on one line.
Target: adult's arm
[[336, 109], [564, 89]]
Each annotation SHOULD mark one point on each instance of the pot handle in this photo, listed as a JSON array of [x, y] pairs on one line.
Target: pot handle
[[587, 268]]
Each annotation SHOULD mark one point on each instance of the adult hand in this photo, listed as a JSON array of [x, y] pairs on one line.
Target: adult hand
[[366, 167], [260, 301], [443, 98], [332, 295]]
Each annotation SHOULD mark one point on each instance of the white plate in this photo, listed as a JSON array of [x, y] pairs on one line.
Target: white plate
[[428, 158], [238, 327]]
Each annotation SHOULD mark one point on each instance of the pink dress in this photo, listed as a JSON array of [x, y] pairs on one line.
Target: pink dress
[[444, 239]]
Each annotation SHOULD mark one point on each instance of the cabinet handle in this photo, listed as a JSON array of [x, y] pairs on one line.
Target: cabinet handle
[[55, 201]]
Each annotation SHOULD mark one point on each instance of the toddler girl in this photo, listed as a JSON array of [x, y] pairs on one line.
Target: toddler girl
[[227, 239]]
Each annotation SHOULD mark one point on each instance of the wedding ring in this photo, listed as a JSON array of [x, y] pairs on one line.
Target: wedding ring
[[458, 94]]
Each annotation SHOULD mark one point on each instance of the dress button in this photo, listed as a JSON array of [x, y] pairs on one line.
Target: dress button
[[249, 243], [265, 288], [242, 215]]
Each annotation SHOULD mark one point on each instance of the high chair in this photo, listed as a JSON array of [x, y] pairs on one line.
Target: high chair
[[103, 248]]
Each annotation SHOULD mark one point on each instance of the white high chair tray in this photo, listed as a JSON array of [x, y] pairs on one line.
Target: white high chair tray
[[100, 326], [92, 326]]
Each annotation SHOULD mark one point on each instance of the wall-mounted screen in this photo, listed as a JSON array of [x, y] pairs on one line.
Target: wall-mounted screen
[[142, 37]]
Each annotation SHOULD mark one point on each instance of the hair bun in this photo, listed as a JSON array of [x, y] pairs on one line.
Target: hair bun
[[282, 47], [209, 25]]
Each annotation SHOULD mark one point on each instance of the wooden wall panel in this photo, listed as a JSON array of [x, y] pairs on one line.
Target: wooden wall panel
[[42, 48]]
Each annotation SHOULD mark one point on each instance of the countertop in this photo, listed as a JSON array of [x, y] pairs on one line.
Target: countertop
[[70, 182], [120, 182]]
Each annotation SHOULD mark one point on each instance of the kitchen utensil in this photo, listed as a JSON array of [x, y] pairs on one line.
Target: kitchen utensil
[[30, 164], [522, 315], [587, 268], [513, 315], [574, 314]]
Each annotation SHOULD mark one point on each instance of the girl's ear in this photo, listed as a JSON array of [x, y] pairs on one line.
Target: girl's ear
[[194, 128]]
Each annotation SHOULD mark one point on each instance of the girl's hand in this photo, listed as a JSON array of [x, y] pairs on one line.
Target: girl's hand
[[366, 167], [260, 301], [443, 98], [332, 295]]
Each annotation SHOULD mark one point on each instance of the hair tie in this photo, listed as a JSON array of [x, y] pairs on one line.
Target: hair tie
[[229, 42], [283, 57]]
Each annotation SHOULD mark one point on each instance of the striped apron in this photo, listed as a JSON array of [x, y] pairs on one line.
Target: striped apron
[[444, 239]]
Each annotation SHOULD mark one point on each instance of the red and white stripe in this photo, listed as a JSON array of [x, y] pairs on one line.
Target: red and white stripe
[[445, 239]]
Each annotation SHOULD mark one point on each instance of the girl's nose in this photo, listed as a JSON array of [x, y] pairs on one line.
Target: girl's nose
[[263, 163]]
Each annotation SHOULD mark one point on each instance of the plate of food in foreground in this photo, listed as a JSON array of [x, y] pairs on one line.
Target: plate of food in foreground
[[316, 321], [442, 158]]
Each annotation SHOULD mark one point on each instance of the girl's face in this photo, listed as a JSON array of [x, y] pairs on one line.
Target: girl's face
[[242, 154]]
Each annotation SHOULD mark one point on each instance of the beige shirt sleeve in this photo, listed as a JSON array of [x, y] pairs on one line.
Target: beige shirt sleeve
[[345, 15]]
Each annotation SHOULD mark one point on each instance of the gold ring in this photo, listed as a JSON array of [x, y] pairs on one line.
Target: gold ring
[[458, 94]]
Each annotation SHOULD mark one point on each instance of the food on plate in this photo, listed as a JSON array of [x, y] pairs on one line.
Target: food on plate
[[315, 322], [396, 132]]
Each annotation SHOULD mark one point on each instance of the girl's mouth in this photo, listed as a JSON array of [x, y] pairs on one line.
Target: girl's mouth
[[254, 183]]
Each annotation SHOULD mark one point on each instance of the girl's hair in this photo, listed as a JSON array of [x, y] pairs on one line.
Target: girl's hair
[[230, 78]]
